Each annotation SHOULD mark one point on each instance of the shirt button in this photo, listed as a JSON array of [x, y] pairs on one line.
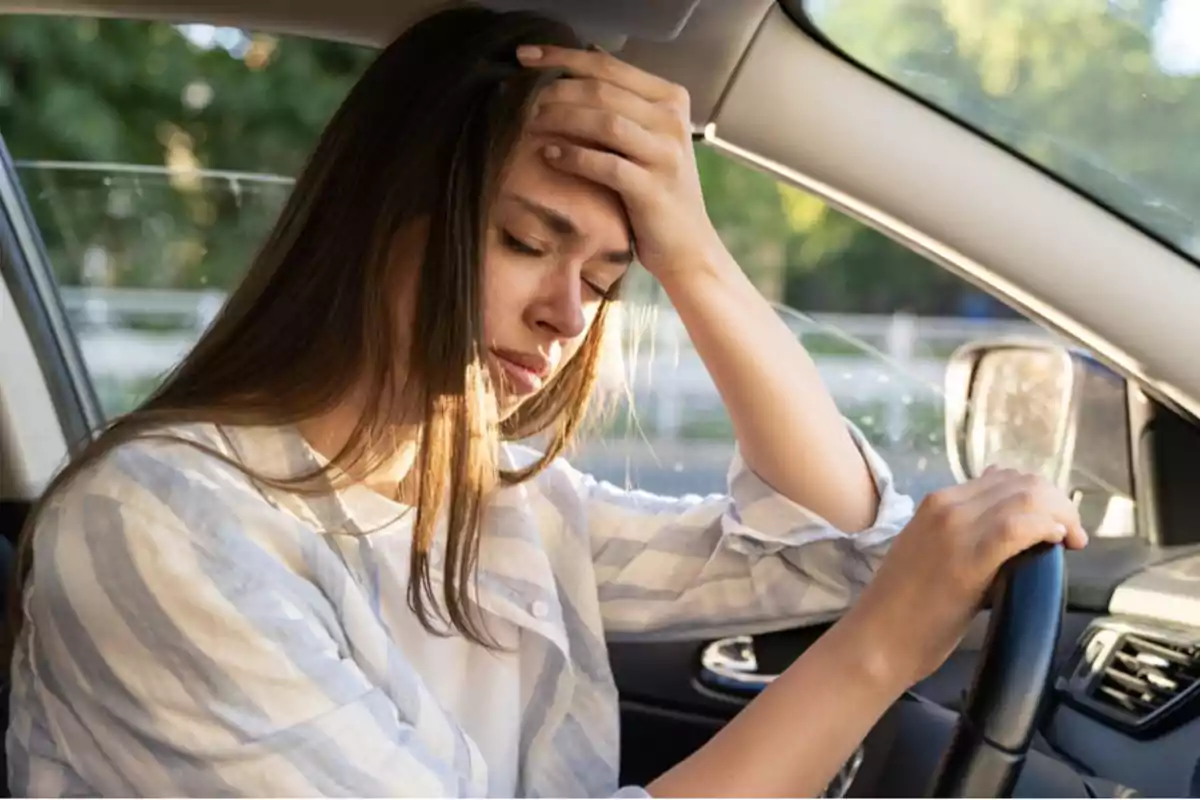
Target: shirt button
[[539, 609]]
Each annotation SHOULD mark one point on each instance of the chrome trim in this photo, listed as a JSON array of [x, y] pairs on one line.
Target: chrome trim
[[844, 779], [115, 168], [79, 415], [961, 265], [730, 665]]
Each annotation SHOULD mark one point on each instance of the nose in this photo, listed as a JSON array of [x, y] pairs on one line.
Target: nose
[[561, 311]]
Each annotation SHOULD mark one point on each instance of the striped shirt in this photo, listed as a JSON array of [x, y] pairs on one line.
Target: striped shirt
[[191, 632]]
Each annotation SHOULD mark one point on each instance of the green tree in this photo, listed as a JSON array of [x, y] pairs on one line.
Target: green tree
[[1075, 85], [96, 92]]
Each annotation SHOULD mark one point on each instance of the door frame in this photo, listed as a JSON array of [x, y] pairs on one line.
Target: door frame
[[31, 287]]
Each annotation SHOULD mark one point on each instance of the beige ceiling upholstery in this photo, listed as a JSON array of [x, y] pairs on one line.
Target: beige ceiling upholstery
[[711, 35]]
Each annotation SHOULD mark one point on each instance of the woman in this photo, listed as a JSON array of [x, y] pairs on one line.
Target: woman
[[308, 566]]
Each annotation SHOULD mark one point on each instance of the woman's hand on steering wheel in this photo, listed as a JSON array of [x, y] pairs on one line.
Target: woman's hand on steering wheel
[[941, 566]]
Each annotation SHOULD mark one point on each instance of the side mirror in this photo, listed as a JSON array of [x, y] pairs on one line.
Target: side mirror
[[1041, 408]]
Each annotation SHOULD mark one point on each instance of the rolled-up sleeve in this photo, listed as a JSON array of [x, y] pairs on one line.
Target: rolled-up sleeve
[[744, 561], [177, 666]]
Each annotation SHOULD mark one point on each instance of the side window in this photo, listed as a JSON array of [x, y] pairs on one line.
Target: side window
[[155, 158], [880, 321]]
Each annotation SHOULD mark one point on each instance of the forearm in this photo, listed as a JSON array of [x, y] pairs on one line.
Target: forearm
[[791, 740], [788, 428]]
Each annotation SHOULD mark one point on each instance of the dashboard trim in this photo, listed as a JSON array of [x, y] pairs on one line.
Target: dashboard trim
[[1084, 669]]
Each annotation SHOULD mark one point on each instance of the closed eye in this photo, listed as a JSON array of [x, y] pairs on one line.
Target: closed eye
[[524, 249], [593, 288], [519, 247], [604, 294]]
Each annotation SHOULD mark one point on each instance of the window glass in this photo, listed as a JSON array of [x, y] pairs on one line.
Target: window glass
[[155, 157], [1103, 93], [880, 321]]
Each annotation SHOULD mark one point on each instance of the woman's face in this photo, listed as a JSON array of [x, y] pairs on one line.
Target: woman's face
[[556, 245]]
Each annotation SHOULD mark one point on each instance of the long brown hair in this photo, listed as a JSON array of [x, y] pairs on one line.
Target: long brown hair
[[424, 136]]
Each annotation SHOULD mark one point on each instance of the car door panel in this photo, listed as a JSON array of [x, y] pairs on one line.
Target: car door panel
[[668, 711]]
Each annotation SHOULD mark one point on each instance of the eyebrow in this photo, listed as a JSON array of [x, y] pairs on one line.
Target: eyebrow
[[562, 225]]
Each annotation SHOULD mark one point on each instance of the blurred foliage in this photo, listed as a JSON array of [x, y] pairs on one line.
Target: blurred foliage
[[1074, 85], [1105, 93]]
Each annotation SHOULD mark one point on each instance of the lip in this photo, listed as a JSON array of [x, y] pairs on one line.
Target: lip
[[526, 373]]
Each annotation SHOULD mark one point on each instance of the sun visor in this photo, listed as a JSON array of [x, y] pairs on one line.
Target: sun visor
[[610, 22]]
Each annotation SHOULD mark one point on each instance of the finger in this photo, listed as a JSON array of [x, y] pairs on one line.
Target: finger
[[968, 490], [608, 169], [1018, 533], [994, 487], [607, 129], [977, 501], [1025, 496], [950, 499], [1077, 537], [997, 474], [1028, 493], [1003, 493], [599, 94], [601, 65]]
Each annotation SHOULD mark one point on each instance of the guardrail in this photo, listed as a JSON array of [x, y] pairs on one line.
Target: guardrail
[[896, 360], [195, 310]]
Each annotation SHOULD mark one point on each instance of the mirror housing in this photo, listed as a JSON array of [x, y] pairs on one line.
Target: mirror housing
[[1039, 407]]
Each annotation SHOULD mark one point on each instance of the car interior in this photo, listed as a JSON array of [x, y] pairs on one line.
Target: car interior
[[1082, 676]]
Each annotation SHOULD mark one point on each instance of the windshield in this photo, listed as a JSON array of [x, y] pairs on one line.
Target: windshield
[[1103, 93]]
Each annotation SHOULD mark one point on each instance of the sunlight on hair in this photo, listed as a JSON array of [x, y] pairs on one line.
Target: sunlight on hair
[[629, 346], [612, 378]]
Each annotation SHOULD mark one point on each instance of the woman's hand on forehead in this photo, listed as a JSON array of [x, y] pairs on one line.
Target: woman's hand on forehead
[[626, 129]]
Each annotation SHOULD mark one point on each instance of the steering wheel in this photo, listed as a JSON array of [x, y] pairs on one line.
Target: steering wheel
[[987, 743], [1010, 687]]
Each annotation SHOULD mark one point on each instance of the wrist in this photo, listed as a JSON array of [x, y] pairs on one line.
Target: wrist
[[872, 652], [699, 266]]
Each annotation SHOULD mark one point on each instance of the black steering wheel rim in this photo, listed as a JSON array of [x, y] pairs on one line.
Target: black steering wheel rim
[[1011, 685]]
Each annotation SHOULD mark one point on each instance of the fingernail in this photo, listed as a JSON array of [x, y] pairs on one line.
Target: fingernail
[[528, 52], [553, 151], [1060, 530]]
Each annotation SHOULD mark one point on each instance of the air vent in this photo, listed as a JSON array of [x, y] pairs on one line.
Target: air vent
[[1144, 675]]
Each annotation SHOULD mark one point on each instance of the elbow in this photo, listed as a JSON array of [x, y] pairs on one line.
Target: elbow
[[850, 505]]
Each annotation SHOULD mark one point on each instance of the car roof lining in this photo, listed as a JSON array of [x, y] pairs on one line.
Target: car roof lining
[[375, 22], [697, 46]]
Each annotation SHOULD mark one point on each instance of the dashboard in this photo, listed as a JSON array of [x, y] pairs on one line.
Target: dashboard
[[1128, 705], [1124, 711]]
